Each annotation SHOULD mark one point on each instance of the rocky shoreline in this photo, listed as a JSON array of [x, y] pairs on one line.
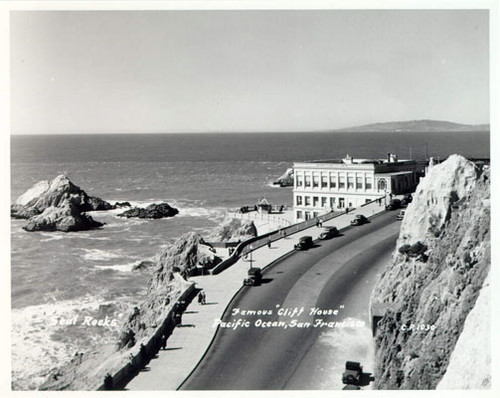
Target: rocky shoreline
[[170, 272]]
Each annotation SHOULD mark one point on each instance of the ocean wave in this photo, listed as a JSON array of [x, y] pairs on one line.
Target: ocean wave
[[52, 236], [98, 254], [118, 267], [36, 350]]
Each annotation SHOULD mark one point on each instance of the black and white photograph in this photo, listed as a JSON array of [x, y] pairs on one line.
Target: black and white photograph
[[256, 197]]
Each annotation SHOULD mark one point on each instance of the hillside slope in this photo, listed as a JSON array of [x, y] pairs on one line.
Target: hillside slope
[[417, 125], [435, 277]]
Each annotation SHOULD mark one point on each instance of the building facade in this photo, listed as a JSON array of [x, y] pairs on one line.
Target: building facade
[[326, 185]]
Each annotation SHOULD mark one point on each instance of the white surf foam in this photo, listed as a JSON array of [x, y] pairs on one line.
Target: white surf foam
[[98, 254]]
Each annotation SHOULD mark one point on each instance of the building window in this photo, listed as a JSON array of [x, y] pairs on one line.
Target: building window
[[307, 200], [315, 214], [323, 202], [324, 181], [307, 181], [368, 183], [308, 215], [367, 200], [382, 185], [350, 182], [359, 182], [341, 182], [299, 214], [332, 202], [341, 203], [315, 201], [299, 200], [333, 181], [299, 180], [315, 181]]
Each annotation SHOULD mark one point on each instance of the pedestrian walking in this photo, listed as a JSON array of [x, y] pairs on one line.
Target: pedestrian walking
[[204, 298], [163, 342], [346, 210], [108, 382], [269, 243], [200, 297], [320, 222]]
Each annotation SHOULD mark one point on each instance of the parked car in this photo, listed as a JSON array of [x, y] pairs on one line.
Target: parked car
[[394, 204], [406, 200], [400, 215], [328, 232], [353, 373], [254, 277], [359, 219], [305, 242]]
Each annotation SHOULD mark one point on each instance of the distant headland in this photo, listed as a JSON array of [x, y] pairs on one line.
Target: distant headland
[[424, 125]]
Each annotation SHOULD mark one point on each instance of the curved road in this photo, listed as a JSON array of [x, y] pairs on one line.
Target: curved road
[[337, 274]]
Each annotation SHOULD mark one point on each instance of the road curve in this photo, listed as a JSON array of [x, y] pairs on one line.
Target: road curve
[[325, 277]]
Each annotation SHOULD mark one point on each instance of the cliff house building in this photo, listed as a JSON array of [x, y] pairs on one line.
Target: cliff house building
[[334, 185]]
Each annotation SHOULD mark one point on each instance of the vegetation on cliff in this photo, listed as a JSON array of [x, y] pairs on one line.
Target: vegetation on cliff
[[429, 295]]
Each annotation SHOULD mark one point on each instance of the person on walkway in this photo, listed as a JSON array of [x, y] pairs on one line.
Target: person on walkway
[[163, 342], [203, 298], [200, 297], [346, 210], [320, 221], [269, 242], [108, 382]]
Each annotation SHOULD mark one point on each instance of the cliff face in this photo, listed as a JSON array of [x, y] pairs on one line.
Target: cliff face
[[435, 284], [167, 283], [233, 229]]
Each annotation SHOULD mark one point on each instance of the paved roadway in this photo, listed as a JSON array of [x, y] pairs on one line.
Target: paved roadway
[[335, 274]]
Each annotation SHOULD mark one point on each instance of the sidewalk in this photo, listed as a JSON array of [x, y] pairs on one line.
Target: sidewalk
[[188, 343]]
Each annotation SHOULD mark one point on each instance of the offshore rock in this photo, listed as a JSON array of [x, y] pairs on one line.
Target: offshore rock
[[58, 205], [233, 230], [55, 193], [286, 180], [153, 211], [449, 219], [65, 218]]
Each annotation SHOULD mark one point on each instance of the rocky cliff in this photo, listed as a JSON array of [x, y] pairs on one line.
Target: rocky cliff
[[153, 211], [165, 287], [58, 205], [434, 278], [233, 230]]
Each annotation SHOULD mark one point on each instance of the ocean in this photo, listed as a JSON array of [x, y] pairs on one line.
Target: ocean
[[58, 278]]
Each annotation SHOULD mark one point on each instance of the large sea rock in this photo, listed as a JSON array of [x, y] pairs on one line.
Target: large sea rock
[[154, 211], [57, 205]]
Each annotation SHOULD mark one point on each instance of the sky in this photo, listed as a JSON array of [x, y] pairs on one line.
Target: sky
[[232, 71]]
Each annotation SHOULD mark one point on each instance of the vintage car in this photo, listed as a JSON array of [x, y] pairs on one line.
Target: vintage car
[[359, 219], [394, 204], [401, 215], [328, 232], [408, 198], [305, 242], [353, 373], [254, 277]]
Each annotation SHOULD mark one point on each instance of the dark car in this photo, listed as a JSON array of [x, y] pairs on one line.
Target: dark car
[[394, 204], [406, 200], [305, 242], [254, 277], [359, 219], [328, 232], [353, 373]]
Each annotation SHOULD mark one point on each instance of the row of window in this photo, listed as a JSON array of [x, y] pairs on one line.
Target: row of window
[[322, 201], [332, 181]]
